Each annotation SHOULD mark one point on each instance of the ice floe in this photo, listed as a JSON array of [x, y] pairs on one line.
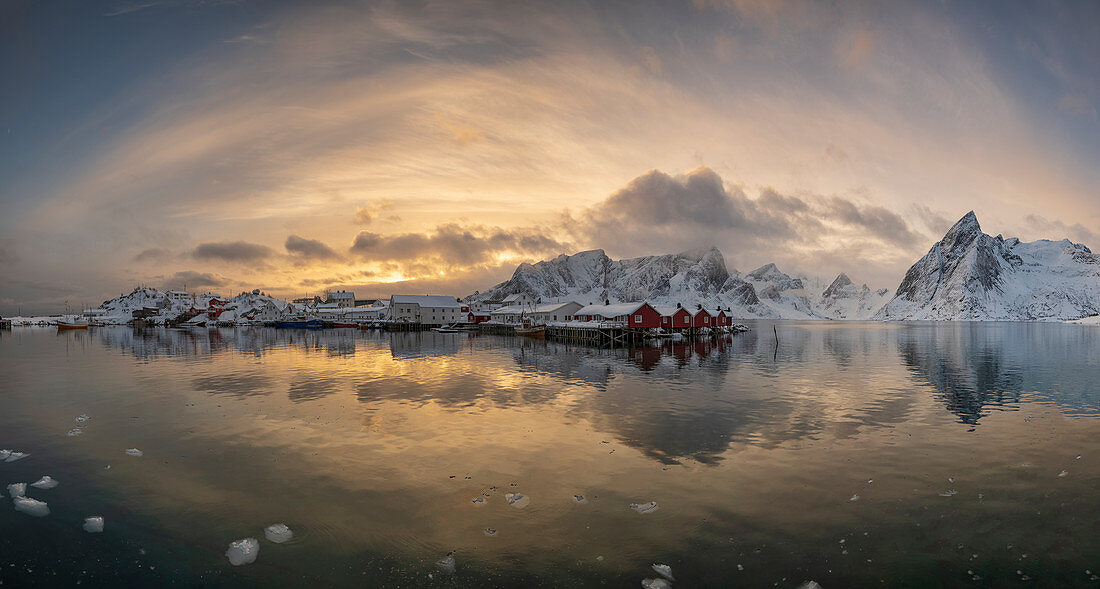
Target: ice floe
[[580, 499], [1063, 473], [490, 532], [82, 418], [243, 551], [13, 456], [31, 506], [4, 455], [664, 570], [644, 507], [76, 431], [446, 565], [656, 584], [93, 524], [278, 533], [46, 482], [478, 501], [949, 493], [517, 500], [17, 490], [134, 452], [810, 585]]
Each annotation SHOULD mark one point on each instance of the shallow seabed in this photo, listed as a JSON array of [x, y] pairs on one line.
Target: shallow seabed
[[852, 454]]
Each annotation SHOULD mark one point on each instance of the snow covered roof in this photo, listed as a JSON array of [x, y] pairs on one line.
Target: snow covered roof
[[509, 310], [609, 311], [551, 307], [341, 296], [327, 306], [515, 297], [669, 311], [425, 300]]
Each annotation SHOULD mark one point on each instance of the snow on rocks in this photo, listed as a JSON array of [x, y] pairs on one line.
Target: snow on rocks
[[76, 431], [93, 524], [4, 455], [135, 452], [644, 508], [655, 584], [664, 570], [517, 500], [31, 507], [278, 533], [243, 551], [46, 482], [17, 490], [13, 455], [82, 418]]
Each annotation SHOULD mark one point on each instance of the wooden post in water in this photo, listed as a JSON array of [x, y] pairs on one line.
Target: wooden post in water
[[776, 353]]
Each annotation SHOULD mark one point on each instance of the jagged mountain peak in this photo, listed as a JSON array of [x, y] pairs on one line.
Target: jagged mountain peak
[[841, 282], [969, 275]]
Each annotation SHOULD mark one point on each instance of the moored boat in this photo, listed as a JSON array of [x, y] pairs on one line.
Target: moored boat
[[300, 324], [535, 331], [71, 324]]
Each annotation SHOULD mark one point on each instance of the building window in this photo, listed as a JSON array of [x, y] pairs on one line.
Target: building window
[[637, 319], [706, 319]]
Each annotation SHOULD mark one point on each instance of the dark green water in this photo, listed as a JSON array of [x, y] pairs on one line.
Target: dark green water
[[852, 455]]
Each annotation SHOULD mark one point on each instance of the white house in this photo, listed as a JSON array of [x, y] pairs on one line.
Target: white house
[[551, 312], [179, 295], [508, 314], [342, 298], [518, 300], [427, 309]]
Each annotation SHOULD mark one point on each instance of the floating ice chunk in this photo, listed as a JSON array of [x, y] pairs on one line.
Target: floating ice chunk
[[446, 565], [82, 418], [517, 500], [854, 498], [478, 501], [490, 532], [1063, 473], [278, 533], [580, 499], [810, 585], [644, 507], [949, 493], [76, 431], [31, 506], [46, 482], [13, 456], [17, 490], [93, 524], [134, 452], [655, 584], [664, 570], [243, 551], [4, 455]]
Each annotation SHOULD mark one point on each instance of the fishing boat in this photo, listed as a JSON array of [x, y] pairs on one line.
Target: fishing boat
[[447, 329], [530, 330], [300, 324], [345, 324], [64, 324]]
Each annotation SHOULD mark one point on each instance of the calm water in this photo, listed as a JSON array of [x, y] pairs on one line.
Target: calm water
[[918, 455]]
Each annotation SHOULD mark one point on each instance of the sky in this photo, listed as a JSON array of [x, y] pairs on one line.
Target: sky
[[431, 147]]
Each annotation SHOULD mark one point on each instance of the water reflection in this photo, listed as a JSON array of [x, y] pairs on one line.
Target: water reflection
[[676, 400]]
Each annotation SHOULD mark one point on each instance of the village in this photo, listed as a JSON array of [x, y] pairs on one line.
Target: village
[[518, 314]]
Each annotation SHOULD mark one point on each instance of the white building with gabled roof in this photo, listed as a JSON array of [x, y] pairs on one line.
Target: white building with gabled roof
[[519, 299], [427, 309]]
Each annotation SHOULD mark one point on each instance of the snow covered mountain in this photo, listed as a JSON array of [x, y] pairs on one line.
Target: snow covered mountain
[[969, 275], [844, 300], [698, 276]]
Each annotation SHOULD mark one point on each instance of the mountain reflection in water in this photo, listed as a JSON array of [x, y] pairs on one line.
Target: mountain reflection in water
[[926, 448]]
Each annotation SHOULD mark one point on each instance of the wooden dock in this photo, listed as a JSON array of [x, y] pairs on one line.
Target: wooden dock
[[496, 328], [606, 336]]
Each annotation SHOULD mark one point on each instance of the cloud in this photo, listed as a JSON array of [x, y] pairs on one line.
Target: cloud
[[369, 211], [193, 279], [660, 213], [309, 248], [232, 251], [153, 254], [1043, 228], [452, 245]]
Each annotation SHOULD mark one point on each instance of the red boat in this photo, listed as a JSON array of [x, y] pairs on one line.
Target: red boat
[[341, 324]]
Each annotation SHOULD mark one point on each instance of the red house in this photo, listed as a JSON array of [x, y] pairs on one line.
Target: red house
[[644, 317], [478, 317], [721, 319], [675, 318], [702, 319]]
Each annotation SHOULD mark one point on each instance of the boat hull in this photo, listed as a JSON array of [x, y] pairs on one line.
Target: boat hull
[[310, 324], [533, 332]]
